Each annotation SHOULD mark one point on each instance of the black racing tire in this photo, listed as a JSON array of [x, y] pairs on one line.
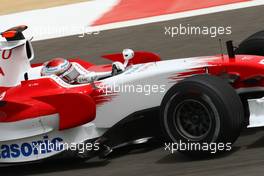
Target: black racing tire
[[202, 111], [253, 45]]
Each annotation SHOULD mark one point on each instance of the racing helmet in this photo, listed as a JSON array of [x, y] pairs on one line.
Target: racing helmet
[[62, 68]]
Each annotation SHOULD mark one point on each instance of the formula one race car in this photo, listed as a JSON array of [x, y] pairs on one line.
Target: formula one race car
[[201, 99]]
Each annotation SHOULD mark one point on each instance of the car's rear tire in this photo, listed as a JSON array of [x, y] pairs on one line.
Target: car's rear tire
[[253, 45], [202, 110]]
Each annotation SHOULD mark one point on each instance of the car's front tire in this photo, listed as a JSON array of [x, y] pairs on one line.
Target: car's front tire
[[202, 110]]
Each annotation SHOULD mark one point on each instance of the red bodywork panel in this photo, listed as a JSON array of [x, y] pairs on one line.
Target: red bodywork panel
[[246, 71], [244, 67], [42, 97]]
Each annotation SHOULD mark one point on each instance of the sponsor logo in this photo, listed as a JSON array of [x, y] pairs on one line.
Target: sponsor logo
[[28, 149]]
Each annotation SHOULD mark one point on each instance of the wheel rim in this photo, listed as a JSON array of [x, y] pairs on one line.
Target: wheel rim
[[192, 119]]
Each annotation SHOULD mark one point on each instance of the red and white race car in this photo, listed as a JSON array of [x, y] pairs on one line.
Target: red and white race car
[[201, 99]]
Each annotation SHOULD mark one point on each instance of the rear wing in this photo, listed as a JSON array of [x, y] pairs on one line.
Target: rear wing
[[15, 33], [15, 56]]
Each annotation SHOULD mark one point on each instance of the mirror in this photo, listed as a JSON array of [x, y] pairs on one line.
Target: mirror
[[127, 55]]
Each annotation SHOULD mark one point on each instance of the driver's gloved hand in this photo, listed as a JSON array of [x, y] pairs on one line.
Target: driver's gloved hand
[[82, 79], [117, 67]]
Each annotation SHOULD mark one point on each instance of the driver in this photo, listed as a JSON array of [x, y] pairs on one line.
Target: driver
[[70, 74]]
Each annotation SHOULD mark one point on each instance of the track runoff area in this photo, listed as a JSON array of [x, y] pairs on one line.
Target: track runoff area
[[245, 159]]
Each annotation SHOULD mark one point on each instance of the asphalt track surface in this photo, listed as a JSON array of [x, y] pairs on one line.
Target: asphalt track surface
[[247, 157]]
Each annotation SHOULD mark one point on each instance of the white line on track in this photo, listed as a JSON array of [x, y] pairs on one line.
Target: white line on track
[[58, 21], [73, 19], [179, 15]]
